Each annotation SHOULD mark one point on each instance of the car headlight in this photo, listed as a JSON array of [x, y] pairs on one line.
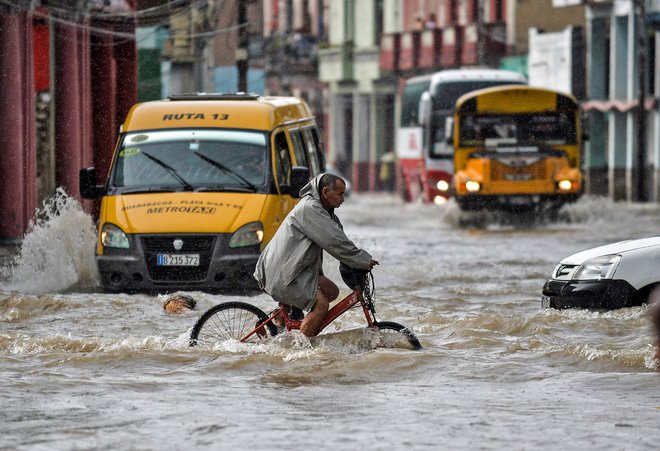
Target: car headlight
[[113, 236], [250, 234], [598, 268]]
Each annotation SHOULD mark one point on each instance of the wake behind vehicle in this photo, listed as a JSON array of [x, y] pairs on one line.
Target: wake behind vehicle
[[613, 276], [198, 185], [516, 148]]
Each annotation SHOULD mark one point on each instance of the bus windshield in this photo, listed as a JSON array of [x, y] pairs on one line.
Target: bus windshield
[[519, 129], [447, 93], [223, 160]]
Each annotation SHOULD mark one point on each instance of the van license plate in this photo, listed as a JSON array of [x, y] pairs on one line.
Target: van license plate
[[178, 259]]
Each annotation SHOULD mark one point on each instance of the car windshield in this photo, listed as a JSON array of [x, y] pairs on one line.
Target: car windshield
[[191, 160]]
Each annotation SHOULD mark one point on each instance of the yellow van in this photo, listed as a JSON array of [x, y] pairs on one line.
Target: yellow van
[[198, 185]]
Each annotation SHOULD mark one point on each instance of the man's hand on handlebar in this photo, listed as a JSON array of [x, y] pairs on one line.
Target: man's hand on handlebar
[[373, 263]]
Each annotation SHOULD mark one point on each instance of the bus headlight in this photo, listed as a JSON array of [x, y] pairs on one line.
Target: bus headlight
[[442, 185], [113, 236], [565, 185], [472, 186], [440, 200], [250, 234]]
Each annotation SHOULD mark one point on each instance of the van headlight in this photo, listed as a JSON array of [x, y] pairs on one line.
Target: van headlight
[[598, 268], [113, 236], [249, 235]]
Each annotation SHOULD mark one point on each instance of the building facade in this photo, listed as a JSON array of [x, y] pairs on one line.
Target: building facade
[[374, 45], [69, 77], [622, 157]]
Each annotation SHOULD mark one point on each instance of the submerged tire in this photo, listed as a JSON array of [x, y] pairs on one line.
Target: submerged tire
[[230, 321], [397, 335]]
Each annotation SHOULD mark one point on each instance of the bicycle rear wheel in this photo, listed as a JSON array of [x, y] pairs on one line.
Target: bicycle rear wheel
[[231, 320], [396, 335]]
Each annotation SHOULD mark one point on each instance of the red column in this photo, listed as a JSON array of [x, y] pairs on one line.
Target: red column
[[126, 60], [104, 105], [29, 120], [73, 129], [18, 161]]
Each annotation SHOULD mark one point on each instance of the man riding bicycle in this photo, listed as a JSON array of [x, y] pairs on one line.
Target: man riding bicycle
[[290, 268]]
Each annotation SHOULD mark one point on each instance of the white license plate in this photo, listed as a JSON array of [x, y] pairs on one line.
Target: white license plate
[[545, 302], [178, 260]]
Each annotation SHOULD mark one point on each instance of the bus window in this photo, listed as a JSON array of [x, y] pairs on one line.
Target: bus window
[[313, 152], [282, 160], [412, 92]]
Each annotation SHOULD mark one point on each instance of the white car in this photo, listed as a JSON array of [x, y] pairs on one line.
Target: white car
[[607, 277]]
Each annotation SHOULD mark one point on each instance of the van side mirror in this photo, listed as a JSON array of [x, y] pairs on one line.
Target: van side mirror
[[299, 178], [88, 187]]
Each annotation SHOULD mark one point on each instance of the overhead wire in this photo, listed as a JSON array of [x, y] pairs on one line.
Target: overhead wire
[[119, 34]]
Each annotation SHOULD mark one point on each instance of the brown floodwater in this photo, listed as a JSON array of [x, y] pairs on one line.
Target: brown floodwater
[[83, 369]]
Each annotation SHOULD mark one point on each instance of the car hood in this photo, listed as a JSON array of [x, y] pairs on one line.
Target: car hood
[[615, 248], [189, 212]]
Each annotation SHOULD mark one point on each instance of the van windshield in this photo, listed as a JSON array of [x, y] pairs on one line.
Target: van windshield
[[223, 160]]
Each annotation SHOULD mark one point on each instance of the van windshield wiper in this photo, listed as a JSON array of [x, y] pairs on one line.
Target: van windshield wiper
[[224, 188], [170, 170], [227, 170], [147, 189]]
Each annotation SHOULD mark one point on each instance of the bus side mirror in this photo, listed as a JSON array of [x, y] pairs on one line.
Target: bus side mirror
[[299, 178], [88, 187]]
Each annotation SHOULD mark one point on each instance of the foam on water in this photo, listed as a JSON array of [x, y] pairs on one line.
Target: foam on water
[[57, 252]]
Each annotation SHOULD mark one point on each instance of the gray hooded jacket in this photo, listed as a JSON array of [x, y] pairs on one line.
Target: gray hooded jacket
[[288, 268]]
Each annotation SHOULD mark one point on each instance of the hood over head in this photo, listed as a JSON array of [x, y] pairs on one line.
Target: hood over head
[[312, 188]]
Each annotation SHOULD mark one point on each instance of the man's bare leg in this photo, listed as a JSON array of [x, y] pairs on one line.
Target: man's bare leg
[[326, 293], [329, 288], [312, 322]]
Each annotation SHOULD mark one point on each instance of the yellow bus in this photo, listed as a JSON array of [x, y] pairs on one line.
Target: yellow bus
[[516, 148], [198, 185]]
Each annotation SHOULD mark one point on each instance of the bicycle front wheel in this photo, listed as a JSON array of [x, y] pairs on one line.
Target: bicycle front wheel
[[396, 335], [231, 321]]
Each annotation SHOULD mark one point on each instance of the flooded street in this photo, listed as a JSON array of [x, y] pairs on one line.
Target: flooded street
[[87, 370]]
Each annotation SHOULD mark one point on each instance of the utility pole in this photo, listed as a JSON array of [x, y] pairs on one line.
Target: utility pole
[[640, 27], [242, 46]]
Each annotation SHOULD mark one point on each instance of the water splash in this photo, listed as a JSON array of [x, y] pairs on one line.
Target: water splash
[[57, 252]]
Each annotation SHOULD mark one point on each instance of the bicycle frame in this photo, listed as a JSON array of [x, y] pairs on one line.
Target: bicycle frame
[[356, 296]]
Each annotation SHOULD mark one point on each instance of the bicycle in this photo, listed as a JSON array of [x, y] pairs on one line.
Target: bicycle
[[249, 324]]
